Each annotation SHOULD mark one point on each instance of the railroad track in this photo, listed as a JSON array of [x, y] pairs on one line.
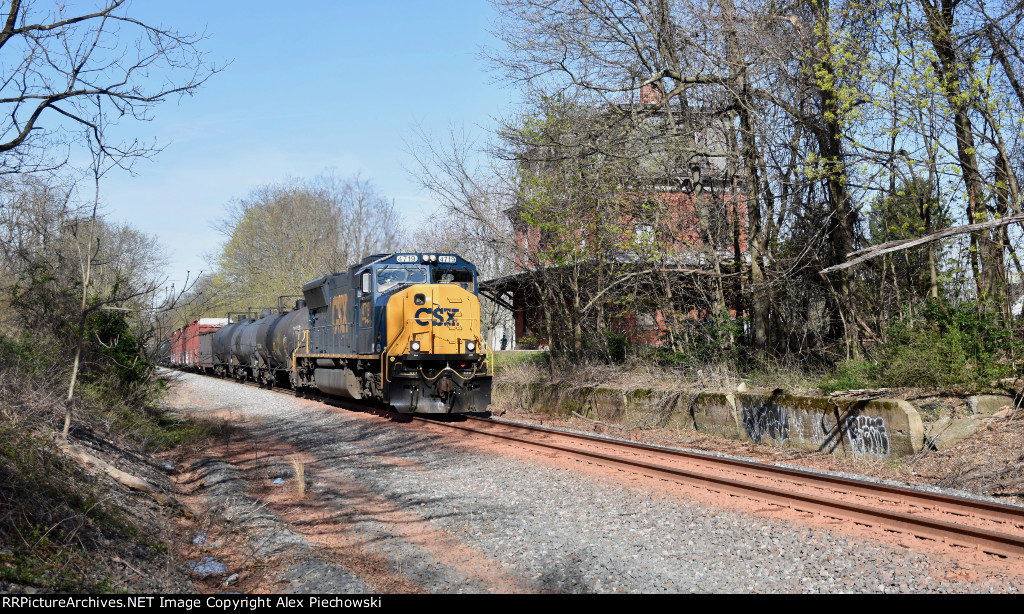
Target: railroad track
[[957, 522]]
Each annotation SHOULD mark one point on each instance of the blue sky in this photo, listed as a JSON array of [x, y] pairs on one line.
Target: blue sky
[[316, 87]]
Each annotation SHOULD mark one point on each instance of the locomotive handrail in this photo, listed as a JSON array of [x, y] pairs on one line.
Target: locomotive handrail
[[384, 354], [488, 352]]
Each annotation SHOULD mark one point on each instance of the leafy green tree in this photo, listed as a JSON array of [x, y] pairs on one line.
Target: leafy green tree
[[281, 236]]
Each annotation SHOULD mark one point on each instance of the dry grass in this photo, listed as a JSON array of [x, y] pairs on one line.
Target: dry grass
[[630, 376], [640, 374], [299, 469], [522, 372]]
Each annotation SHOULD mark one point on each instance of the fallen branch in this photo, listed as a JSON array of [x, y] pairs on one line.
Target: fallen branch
[[861, 391], [126, 479], [894, 246], [611, 426]]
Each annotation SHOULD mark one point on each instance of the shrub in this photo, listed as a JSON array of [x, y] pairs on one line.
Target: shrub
[[618, 346], [527, 343], [851, 375], [520, 363], [942, 346], [949, 346]]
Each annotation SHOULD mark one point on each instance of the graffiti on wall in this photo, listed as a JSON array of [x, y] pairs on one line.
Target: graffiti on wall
[[815, 428], [766, 422], [867, 435], [859, 435]]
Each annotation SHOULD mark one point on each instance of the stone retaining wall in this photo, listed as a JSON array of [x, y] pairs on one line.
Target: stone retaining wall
[[875, 427]]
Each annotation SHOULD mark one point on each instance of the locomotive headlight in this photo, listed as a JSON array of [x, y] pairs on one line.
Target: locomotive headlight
[[415, 346], [470, 346]]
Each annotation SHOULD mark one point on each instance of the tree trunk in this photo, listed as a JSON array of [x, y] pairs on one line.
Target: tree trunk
[[987, 261], [86, 274], [756, 240], [843, 218]]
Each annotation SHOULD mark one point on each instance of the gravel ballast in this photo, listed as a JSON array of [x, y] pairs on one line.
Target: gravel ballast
[[544, 528]]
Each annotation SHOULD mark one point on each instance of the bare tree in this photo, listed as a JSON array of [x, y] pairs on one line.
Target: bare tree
[[66, 270], [474, 196], [58, 63], [59, 67], [474, 188]]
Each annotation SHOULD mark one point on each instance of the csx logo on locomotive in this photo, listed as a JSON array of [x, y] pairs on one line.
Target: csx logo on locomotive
[[442, 316]]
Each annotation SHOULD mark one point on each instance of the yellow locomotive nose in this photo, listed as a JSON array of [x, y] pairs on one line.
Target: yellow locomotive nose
[[434, 361], [434, 319]]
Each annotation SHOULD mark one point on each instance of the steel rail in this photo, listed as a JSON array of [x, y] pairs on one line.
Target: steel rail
[[953, 534], [987, 510]]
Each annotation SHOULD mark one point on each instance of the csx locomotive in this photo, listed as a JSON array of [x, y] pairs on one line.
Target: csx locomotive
[[400, 329]]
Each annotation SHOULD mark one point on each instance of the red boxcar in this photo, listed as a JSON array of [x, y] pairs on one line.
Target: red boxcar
[[185, 350]]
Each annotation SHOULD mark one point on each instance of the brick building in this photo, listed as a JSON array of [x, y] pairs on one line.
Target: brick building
[[662, 240]]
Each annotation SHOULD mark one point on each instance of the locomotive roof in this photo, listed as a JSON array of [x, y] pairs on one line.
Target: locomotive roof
[[420, 258], [432, 259]]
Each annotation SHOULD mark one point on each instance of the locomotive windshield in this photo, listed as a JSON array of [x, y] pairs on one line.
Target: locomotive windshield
[[389, 278], [462, 277]]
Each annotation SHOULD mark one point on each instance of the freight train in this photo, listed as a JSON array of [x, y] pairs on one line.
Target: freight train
[[398, 329]]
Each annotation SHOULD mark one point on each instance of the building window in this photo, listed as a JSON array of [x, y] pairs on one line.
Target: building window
[[646, 321]]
